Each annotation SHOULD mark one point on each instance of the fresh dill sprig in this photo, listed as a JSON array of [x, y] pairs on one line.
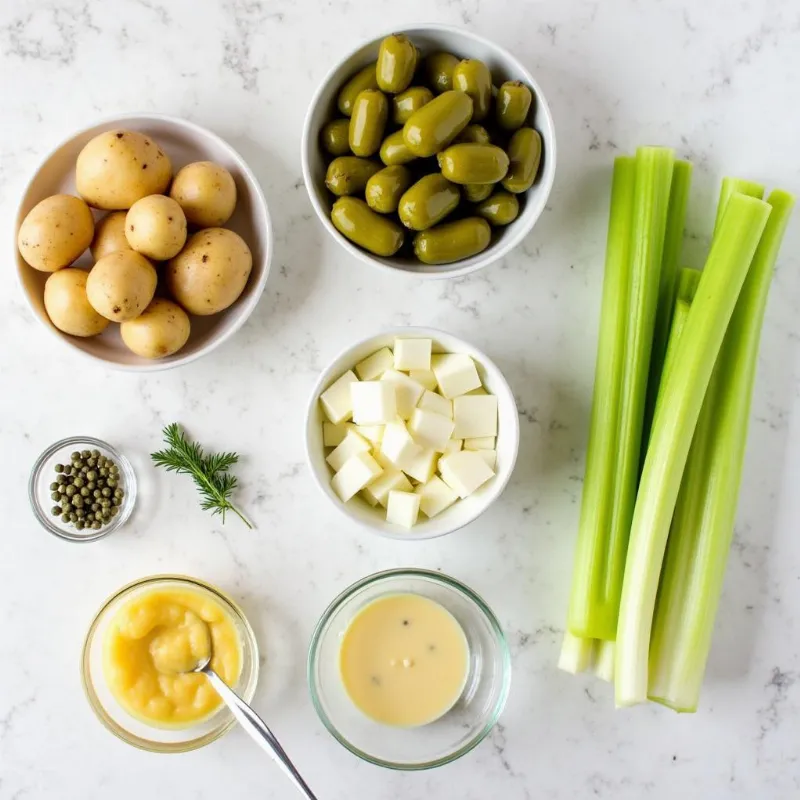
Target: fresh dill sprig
[[209, 472]]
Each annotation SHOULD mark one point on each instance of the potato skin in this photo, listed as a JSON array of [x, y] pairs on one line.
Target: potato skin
[[121, 285], [55, 232], [206, 192], [119, 167], [109, 235], [211, 271], [155, 226], [160, 330], [67, 305]]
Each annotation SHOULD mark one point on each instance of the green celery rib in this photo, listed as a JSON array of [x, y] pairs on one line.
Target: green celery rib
[[731, 185], [699, 542], [688, 279], [577, 654], [604, 660], [598, 485], [698, 347]]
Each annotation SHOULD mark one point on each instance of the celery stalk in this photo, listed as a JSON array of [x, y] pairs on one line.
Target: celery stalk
[[731, 185], [604, 660], [577, 654], [697, 350], [699, 542]]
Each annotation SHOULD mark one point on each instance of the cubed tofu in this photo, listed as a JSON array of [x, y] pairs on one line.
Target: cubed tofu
[[425, 377], [380, 457], [455, 373], [332, 435], [391, 480], [351, 445], [336, 401], [403, 508], [357, 472], [464, 472], [408, 391], [412, 354], [422, 466], [475, 416], [372, 367], [489, 456], [431, 430], [374, 402], [372, 433], [398, 446], [481, 443], [453, 446], [435, 402], [435, 496]]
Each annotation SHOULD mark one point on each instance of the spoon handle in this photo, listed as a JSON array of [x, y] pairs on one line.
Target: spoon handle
[[258, 730]]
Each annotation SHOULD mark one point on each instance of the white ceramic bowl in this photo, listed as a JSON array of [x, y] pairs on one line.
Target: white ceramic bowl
[[463, 511], [184, 142], [430, 38]]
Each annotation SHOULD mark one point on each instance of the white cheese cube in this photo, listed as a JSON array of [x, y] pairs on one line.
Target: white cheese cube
[[372, 367], [478, 391], [453, 446], [430, 429], [374, 402], [351, 445], [368, 498], [412, 354], [380, 457], [435, 402], [357, 472], [489, 456], [335, 400], [403, 508], [408, 391], [425, 377], [332, 435], [422, 466], [475, 416], [464, 472], [372, 433], [455, 373], [398, 446], [391, 480], [435, 496], [480, 443]]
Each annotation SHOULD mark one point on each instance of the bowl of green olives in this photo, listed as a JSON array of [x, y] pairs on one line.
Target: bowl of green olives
[[430, 151], [81, 489]]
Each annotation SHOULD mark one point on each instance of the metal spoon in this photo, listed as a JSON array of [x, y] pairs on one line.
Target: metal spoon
[[254, 725]]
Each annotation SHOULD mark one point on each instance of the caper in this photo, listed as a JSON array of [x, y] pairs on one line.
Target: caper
[[56, 511], [96, 453], [114, 469], [91, 475], [85, 454], [79, 481], [80, 513], [92, 462], [62, 489], [70, 490], [91, 485], [53, 487], [103, 472], [54, 495], [61, 479], [114, 511], [106, 492], [120, 493], [96, 525], [77, 501], [59, 467], [105, 503], [79, 525], [84, 470], [74, 455], [84, 492], [111, 482]]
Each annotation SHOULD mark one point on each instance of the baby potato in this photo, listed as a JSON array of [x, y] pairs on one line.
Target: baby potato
[[109, 235], [55, 232], [206, 192], [118, 167], [160, 330], [67, 305], [210, 273], [121, 285], [156, 227]]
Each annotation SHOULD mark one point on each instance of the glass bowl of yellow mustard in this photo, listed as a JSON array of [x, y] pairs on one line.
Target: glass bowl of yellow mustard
[[409, 669], [138, 654]]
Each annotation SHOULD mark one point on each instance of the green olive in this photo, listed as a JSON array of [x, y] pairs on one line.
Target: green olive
[[397, 60], [502, 208], [427, 202], [336, 137], [354, 219], [348, 175], [439, 69], [394, 150], [437, 123], [514, 100], [474, 134], [452, 241], [385, 188], [525, 154], [473, 163], [370, 112], [363, 79], [475, 192], [409, 101], [473, 77]]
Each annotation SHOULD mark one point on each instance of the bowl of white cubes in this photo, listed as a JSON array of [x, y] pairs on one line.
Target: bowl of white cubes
[[412, 433]]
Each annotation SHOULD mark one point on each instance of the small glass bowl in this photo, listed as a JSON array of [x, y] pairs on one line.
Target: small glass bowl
[[449, 737], [43, 474], [138, 733]]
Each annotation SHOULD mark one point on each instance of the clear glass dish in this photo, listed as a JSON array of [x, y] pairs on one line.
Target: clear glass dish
[[43, 474], [134, 731], [449, 737]]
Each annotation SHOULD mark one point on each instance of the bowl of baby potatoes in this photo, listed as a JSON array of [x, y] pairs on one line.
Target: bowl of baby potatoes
[[143, 242]]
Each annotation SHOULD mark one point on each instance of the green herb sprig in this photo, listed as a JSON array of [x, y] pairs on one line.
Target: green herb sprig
[[209, 471]]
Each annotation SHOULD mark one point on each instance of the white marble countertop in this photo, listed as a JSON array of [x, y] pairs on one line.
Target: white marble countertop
[[719, 82]]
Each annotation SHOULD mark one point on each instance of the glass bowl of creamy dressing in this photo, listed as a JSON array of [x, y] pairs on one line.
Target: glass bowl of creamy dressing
[[409, 669]]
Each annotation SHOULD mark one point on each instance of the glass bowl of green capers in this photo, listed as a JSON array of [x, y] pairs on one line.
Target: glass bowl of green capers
[[82, 489]]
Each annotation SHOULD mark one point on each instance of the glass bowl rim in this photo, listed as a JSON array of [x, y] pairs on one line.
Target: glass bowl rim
[[435, 577], [250, 642], [130, 494]]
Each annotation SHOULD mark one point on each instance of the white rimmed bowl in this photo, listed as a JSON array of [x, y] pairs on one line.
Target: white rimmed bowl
[[430, 38], [463, 511], [184, 142]]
